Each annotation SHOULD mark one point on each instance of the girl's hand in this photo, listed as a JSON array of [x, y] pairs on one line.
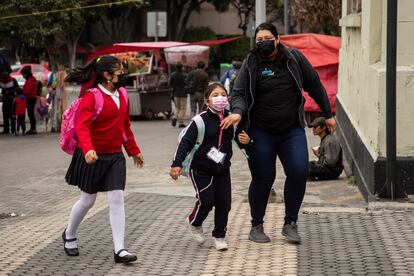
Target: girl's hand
[[230, 120], [244, 138], [331, 124], [175, 172], [91, 157], [138, 160]]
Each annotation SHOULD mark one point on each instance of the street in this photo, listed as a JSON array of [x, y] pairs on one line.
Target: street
[[340, 236]]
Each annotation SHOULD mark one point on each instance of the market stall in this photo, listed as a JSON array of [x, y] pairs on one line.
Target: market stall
[[146, 64]]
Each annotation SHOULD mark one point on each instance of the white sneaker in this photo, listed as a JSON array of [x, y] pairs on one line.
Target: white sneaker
[[196, 232], [220, 244]]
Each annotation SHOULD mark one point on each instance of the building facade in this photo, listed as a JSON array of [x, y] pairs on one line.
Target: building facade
[[361, 101]]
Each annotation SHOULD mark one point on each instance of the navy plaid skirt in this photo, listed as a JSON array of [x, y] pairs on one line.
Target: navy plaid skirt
[[107, 174]]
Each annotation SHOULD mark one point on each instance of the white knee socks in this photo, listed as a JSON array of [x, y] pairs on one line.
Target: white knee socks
[[117, 219], [79, 211]]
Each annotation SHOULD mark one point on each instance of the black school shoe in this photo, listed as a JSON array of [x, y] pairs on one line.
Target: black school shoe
[[125, 259], [69, 251]]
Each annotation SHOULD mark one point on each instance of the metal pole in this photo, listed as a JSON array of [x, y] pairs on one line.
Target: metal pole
[[260, 12], [286, 17], [156, 26], [391, 106]]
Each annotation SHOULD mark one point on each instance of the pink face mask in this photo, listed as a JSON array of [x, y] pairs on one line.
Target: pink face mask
[[219, 103]]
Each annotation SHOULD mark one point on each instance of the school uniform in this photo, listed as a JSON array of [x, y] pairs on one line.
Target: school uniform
[[106, 135], [211, 180]]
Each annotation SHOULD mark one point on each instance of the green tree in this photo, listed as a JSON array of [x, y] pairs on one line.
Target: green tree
[[46, 30]]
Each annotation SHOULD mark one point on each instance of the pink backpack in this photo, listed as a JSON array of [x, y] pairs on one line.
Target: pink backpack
[[68, 139]]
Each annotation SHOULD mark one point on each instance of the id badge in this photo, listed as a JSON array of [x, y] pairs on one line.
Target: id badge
[[216, 155]]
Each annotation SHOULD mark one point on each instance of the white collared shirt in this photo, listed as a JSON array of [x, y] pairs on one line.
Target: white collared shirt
[[114, 96]]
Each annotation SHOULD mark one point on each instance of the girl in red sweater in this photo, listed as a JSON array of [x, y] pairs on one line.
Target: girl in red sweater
[[98, 164]]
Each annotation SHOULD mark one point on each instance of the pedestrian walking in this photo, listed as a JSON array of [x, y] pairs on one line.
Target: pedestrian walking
[[8, 86], [210, 166], [52, 99], [98, 164], [329, 152], [177, 83], [229, 78], [30, 91], [267, 101], [20, 112], [197, 81]]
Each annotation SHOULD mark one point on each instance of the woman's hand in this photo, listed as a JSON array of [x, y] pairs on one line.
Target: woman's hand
[[175, 172], [91, 157], [331, 124], [230, 120], [138, 160], [244, 138]]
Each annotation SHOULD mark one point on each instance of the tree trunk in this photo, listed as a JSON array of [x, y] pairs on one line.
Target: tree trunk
[[184, 21]]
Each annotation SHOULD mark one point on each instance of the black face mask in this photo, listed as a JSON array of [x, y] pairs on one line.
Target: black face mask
[[122, 81], [266, 48]]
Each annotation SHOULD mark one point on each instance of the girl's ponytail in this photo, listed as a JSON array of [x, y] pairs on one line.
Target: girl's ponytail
[[93, 72], [82, 75]]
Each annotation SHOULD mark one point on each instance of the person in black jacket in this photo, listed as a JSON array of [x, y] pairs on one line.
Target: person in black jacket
[[177, 83], [210, 167], [8, 87], [267, 101]]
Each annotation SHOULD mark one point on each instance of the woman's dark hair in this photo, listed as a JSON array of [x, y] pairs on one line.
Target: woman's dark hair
[[268, 27], [213, 86], [94, 70]]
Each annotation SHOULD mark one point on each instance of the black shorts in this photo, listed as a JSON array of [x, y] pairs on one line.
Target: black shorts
[[107, 174]]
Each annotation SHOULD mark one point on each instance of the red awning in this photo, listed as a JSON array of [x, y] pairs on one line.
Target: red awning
[[135, 47], [320, 50], [216, 41], [148, 46]]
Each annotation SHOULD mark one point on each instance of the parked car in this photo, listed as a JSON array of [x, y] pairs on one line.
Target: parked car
[[39, 71]]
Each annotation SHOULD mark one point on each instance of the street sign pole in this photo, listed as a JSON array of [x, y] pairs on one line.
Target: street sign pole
[[260, 12], [156, 27]]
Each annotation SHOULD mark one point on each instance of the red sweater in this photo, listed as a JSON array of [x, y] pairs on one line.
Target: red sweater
[[105, 133], [30, 88], [20, 105]]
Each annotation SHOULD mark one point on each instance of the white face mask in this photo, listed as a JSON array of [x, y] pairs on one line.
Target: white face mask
[[219, 103]]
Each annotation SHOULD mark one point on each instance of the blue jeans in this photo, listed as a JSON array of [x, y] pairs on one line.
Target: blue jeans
[[291, 147]]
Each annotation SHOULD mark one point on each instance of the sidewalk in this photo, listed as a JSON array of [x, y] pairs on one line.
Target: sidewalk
[[340, 236]]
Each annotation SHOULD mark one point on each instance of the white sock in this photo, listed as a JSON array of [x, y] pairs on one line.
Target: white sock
[[117, 219], [79, 210]]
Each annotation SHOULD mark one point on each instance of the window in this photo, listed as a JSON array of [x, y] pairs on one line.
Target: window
[[38, 69], [353, 6]]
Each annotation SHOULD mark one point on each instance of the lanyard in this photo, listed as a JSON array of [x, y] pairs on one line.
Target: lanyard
[[221, 131]]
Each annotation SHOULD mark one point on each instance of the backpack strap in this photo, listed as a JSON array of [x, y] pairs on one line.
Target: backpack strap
[[98, 101], [200, 129]]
